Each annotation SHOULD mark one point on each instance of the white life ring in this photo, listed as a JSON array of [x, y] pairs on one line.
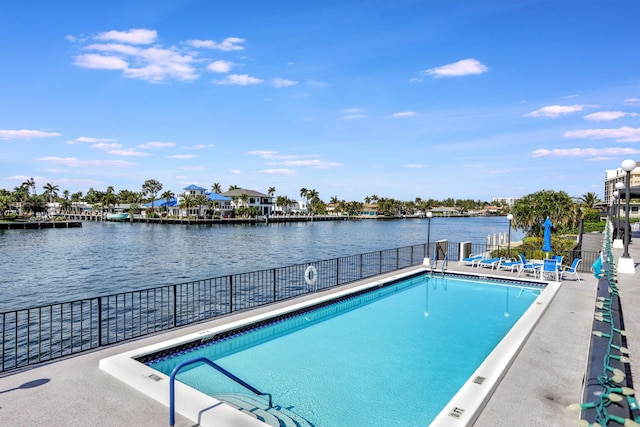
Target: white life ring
[[311, 275]]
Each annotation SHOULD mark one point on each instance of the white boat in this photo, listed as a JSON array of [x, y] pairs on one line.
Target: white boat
[[117, 216]]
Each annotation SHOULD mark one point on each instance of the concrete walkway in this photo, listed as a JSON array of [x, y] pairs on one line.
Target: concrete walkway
[[545, 378]]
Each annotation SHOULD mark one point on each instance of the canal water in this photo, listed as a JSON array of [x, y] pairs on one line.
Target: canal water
[[41, 267]]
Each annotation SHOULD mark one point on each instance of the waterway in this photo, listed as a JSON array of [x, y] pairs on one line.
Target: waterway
[[40, 267]]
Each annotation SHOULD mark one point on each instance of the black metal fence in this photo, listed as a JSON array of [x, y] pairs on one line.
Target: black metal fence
[[40, 334]]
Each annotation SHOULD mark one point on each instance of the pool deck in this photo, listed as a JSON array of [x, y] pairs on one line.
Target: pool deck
[[546, 376]]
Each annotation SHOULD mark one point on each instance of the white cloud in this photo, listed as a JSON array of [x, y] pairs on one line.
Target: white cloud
[[73, 162], [7, 134], [350, 110], [632, 100], [555, 110], [199, 147], [623, 134], [235, 171], [353, 116], [220, 66], [182, 156], [284, 172], [239, 79], [583, 152], [228, 44], [317, 164], [414, 166], [133, 36], [602, 116], [263, 153], [129, 152], [460, 68], [404, 114], [280, 82], [89, 140], [106, 146], [156, 144], [101, 62]]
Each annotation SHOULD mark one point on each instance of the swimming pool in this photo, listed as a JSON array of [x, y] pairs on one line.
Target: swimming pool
[[395, 354]]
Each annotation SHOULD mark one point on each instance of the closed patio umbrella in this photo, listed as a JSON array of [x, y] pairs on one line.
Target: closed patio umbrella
[[546, 245]]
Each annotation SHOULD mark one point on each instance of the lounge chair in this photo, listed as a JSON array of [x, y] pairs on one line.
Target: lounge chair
[[510, 264], [596, 267], [490, 262], [471, 260], [573, 269], [549, 266]]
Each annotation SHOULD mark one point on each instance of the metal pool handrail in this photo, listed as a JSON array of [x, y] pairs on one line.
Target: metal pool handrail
[[172, 379]]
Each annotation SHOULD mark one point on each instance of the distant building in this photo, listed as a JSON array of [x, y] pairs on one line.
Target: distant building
[[618, 175], [614, 176], [263, 202], [509, 201]]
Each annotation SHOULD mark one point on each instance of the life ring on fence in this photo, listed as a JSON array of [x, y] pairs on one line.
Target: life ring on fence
[[311, 275]]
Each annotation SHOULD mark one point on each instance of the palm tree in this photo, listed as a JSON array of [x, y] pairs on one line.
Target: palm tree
[[151, 187], [233, 187], [20, 196], [271, 191], [35, 204], [5, 204], [187, 203], [31, 184], [245, 204], [167, 196], [305, 193], [201, 200], [216, 188], [312, 195], [50, 191], [589, 200]]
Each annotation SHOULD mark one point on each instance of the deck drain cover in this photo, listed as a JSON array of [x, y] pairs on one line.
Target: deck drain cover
[[479, 380], [155, 377], [456, 412]]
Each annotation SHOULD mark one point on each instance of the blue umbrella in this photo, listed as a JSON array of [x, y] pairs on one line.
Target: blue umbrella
[[546, 246]]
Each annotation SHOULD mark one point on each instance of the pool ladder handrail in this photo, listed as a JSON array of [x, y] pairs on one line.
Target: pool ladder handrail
[[172, 379], [443, 266]]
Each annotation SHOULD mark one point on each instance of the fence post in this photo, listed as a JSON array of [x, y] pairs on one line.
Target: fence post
[[230, 294], [99, 321], [337, 271], [380, 263], [360, 267], [175, 305], [397, 258], [274, 286]]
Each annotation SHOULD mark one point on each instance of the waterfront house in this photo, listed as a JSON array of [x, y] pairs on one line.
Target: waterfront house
[[241, 197]]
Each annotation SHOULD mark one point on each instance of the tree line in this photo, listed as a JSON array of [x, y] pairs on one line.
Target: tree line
[[563, 210]]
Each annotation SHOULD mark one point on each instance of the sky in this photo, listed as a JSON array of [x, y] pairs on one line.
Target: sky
[[394, 98]]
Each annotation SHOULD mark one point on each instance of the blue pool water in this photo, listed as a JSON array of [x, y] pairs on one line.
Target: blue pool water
[[392, 357]]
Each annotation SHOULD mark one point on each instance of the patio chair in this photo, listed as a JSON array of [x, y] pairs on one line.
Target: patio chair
[[527, 267], [573, 269], [558, 259], [549, 266]]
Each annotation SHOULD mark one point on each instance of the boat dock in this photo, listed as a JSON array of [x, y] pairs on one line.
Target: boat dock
[[36, 225]]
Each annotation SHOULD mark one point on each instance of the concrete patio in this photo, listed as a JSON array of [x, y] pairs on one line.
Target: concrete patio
[[546, 376]]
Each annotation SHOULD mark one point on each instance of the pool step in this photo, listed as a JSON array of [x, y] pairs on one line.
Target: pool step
[[275, 416]]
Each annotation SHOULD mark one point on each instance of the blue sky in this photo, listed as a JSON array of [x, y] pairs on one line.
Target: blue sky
[[397, 98]]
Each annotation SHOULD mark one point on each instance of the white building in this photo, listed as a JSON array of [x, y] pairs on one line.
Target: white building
[[614, 176], [251, 198]]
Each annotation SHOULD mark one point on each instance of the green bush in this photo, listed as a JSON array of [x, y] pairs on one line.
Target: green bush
[[594, 226]]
